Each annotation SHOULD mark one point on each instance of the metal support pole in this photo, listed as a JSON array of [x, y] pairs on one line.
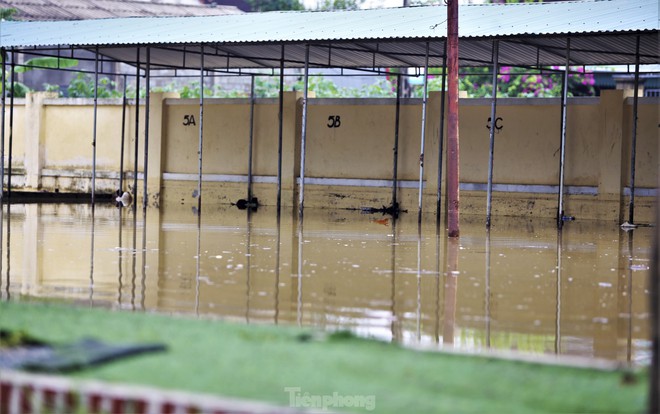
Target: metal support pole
[[423, 138], [96, 98], [280, 115], [443, 96], [303, 137], [562, 157], [633, 149], [145, 196], [137, 125], [493, 118], [452, 121], [395, 162], [201, 129], [3, 91], [123, 139], [12, 90], [250, 143]]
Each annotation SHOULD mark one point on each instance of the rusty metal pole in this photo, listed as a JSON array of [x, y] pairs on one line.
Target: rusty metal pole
[[452, 121]]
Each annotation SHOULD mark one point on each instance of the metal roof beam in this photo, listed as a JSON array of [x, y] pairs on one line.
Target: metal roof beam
[[386, 54]]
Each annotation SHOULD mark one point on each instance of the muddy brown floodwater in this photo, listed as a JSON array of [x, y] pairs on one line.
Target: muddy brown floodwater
[[523, 287]]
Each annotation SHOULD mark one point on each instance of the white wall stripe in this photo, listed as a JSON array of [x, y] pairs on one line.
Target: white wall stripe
[[642, 192], [530, 188], [366, 182]]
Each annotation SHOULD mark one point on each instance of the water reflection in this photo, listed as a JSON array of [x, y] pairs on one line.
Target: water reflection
[[523, 286]]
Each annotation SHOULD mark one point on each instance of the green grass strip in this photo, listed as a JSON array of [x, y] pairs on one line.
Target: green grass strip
[[259, 362]]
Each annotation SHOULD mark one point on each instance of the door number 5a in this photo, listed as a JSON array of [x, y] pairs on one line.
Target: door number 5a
[[334, 121], [189, 120]]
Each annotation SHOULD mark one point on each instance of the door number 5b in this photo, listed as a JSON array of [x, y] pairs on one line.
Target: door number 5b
[[334, 121]]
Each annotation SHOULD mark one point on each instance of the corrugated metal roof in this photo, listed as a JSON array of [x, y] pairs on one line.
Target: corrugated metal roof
[[603, 32], [28, 10]]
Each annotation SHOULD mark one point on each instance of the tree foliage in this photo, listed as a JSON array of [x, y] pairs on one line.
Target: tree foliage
[[7, 14], [46, 63], [82, 86], [339, 4], [527, 83], [274, 5]]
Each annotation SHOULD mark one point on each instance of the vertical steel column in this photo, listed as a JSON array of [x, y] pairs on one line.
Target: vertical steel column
[[562, 157], [250, 143], [280, 115], [395, 162], [491, 147], [443, 96], [123, 139], [423, 138], [633, 149], [3, 92], [96, 98], [147, 102], [303, 137], [201, 129], [452, 122], [137, 126], [12, 91]]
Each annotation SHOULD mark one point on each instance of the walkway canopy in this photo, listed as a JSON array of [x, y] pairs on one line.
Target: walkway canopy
[[530, 34]]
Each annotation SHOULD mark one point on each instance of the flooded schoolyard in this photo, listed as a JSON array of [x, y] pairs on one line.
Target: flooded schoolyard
[[522, 287]]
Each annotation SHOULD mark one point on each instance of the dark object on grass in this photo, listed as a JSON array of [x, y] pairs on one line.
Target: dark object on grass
[[86, 353], [21, 351]]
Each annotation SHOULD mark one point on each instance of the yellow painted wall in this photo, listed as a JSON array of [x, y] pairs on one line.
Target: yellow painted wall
[[226, 137], [69, 134], [69, 137], [360, 147], [648, 135], [18, 147], [527, 147]]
